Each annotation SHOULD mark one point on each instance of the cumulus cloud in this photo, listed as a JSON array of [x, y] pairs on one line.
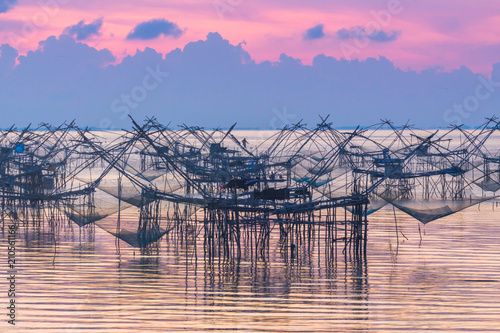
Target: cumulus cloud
[[64, 79], [376, 35], [154, 28], [315, 32], [82, 31]]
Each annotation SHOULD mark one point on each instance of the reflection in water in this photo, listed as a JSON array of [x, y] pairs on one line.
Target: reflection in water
[[282, 277]]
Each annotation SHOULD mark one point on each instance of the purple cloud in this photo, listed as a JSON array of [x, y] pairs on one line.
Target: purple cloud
[[315, 32], [82, 31], [376, 35], [8, 57], [214, 83], [5, 5], [154, 28]]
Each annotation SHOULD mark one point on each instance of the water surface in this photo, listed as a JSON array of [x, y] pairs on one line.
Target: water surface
[[444, 278]]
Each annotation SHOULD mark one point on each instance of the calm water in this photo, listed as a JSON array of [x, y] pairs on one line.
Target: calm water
[[447, 281]]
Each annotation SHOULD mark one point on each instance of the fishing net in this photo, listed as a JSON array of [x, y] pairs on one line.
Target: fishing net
[[141, 227], [427, 211], [92, 208]]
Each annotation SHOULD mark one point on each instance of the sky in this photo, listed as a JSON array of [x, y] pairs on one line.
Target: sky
[[217, 62]]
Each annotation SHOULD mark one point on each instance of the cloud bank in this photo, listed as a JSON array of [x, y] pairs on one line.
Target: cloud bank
[[214, 83], [8, 57], [6, 5]]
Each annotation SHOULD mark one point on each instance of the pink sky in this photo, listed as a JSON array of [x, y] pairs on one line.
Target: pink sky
[[447, 33]]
